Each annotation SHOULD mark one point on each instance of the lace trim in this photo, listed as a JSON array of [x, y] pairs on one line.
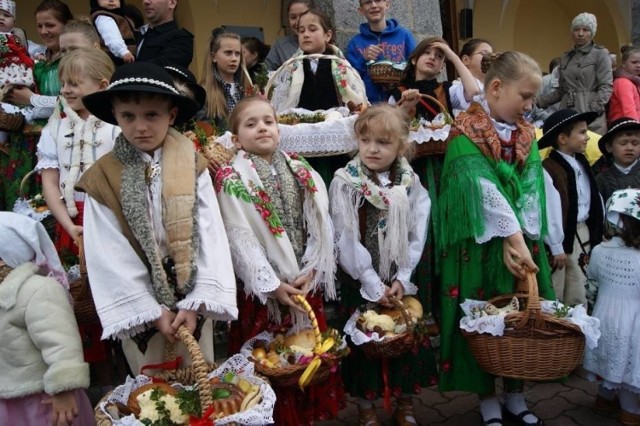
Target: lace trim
[[42, 101]]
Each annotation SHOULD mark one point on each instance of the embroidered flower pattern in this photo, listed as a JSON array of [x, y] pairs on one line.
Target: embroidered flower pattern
[[228, 181], [302, 171]]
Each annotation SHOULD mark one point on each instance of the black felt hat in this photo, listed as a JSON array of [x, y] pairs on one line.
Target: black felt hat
[[556, 121], [620, 125], [186, 76], [139, 77]]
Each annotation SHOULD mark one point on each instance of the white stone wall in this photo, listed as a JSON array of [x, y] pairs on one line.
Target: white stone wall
[[422, 17]]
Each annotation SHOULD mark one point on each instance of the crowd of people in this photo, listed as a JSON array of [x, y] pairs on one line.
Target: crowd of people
[[173, 239]]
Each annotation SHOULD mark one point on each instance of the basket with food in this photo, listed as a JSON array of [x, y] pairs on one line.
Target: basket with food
[[323, 132], [231, 394], [389, 332], [299, 359], [431, 137], [35, 206], [521, 337], [386, 72]]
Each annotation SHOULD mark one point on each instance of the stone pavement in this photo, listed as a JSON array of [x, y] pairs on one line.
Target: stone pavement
[[558, 404]]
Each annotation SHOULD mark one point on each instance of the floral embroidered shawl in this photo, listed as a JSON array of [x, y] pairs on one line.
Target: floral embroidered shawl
[[251, 220]]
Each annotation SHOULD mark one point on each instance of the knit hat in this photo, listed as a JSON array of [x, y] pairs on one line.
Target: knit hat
[[25, 240], [624, 201], [139, 77], [8, 6], [586, 19], [619, 125], [556, 121]]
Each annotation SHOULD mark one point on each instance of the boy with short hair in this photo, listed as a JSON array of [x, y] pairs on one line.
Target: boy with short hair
[[379, 39], [621, 146], [157, 253], [582, 208]]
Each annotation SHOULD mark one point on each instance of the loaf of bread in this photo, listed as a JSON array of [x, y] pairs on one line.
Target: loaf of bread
[[413, 307], [226, 405]]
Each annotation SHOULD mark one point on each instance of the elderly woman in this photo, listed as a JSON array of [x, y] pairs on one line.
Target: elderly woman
[[586, 81]]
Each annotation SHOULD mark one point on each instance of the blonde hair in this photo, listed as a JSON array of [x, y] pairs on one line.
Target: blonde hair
[[216, 105], [94, 63], [82, 26], [508, 67], [386, 118]]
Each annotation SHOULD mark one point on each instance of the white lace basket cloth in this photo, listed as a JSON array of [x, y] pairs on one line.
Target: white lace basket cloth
[[333, 136], [428, 131], [494, 324], [260, 414]]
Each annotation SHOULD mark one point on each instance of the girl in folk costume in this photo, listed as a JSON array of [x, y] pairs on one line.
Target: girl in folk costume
[[70, 143], [115, 30], [73, 140], [316, 84], [223, 78], [276, 213], [43, 373], [625, 99], [615, 267], [381, 214], [152, 222], [493, 191]]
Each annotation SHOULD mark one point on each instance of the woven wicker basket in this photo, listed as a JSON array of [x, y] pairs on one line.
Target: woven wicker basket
[[11, 122], [384, 72], [397, 345], [196, 374], [290, 374], [535, 346], [433, 147], [49, 222], [83, 306]]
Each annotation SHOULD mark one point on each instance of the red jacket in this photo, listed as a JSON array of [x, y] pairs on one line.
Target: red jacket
[[625, 100]]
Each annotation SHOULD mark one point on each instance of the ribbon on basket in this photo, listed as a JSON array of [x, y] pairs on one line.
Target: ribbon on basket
[[387, 389], [205, 420], [169, 365], [320, 348]]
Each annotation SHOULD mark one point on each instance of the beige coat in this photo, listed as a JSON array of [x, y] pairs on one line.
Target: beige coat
[[585, 83], [41, 348]]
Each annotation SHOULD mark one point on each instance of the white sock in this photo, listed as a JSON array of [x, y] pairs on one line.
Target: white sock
[[364, 403], [515, 404], [629, 401], [490, 409], [607, 393]]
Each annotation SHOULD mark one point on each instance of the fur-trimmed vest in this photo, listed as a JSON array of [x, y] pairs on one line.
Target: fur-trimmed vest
[[104, 184], [124, 26], [564, 180]]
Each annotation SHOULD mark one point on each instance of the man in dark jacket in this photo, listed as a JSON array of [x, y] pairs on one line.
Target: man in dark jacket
[[161, 41]]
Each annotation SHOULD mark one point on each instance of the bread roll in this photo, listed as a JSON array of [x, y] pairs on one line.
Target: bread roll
[[230, 405], [413, 307], [304, 339]]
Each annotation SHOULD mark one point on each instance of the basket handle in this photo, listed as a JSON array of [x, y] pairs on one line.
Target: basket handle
[[23, 183], [533, 303], [293, 59], [199, 366], [447, 117], [314, 321], [408, 320]]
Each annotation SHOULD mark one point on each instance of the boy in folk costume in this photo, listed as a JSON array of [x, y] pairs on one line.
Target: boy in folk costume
[[582, 209], [156, 250]]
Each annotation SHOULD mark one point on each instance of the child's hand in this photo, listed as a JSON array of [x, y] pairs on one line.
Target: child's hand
[[164, 324], [19, 95], [372, 52], [445, 49], [410, 98], [396, 290], [186, 317], [74, 232], [64, 408], [303, 282], [284, 295], [128, 58], [559, 261], [516, 255]]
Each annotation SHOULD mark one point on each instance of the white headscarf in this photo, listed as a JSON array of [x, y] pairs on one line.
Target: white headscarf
[[23, 240]]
